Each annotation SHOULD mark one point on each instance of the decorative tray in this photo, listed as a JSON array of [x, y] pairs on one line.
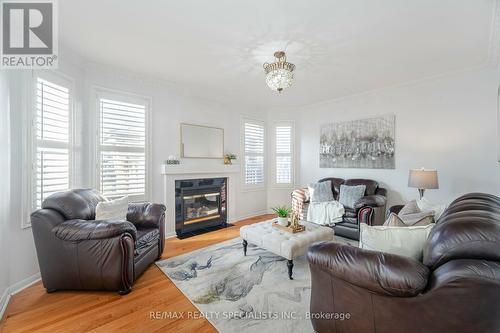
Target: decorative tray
[[289, 228]]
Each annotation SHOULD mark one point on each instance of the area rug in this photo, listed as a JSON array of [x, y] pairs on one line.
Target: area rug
[[244, 294]]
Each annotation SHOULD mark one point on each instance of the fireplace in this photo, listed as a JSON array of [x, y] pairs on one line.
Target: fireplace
[[200, 205]]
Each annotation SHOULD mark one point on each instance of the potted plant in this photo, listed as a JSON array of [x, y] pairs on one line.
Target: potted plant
[[283, 213], [228, 158]]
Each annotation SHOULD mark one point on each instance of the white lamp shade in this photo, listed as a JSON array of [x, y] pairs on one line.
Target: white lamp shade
[[423, 179]]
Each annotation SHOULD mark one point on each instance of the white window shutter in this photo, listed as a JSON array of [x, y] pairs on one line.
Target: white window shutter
[[284, 154], [52, 147], [254, 153], [122, 150]]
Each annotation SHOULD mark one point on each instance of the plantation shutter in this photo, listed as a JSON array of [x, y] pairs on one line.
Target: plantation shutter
[[52, 147], [284, 161], [254, 152], [122, 138]]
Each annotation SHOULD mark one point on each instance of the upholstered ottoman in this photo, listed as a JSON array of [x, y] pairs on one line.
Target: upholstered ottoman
[[282, 243]]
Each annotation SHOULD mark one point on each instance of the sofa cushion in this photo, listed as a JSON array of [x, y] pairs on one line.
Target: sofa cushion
[[404, 241], [464, 235], [349, 195], [320, 192], [409, 220], [371, 185], [113, 209], [336, 182], [425, 206], [350, 212], [145, 239], [410, 208]]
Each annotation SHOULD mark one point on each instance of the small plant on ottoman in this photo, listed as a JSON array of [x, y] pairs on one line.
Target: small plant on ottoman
[[283, 213]]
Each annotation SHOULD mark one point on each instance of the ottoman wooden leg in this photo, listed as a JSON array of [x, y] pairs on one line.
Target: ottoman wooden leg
[[245, 243], [289, 264]]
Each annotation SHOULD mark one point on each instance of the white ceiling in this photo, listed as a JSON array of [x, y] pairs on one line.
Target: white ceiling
[[339, 47]]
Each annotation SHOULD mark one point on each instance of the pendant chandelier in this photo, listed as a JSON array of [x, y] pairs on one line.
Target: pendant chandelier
[[279, 74]]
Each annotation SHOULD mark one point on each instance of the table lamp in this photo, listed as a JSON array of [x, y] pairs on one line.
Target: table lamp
[[423, 179]]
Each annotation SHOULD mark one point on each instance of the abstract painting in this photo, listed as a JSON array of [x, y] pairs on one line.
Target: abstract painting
[[366, 143]]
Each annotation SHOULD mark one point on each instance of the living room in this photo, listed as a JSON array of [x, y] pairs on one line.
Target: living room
[[212, 166]]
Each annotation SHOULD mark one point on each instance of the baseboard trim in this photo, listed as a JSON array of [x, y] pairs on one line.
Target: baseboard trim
[[4, 301], [170, 235], [14, 289], [246, 216]]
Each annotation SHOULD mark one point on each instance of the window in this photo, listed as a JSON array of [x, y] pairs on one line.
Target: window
[[122, 167], [283, 154], [52, 144], [253, 147]]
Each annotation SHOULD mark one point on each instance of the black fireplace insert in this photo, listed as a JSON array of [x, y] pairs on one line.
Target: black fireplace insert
[[200, 205]]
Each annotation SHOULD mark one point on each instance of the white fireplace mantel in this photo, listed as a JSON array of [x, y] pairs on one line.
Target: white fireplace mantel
[[173, 172], [180, 169]]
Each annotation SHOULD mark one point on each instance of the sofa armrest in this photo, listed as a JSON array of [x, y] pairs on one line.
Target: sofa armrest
[[146, 215], [381, 273], [300, 202], [374, 200], [79, 230], [301, 194]]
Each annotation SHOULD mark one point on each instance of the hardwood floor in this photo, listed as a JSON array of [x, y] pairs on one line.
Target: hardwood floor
[[33, 310]]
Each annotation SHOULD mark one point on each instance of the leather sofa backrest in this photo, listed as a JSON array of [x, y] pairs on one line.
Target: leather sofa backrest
[[74, 204], [371, 185], [468, 229], [336, 182]]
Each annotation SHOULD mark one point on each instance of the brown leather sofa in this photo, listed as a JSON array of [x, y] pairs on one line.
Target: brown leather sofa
[[370, 209], [77, 252], [455, 289]]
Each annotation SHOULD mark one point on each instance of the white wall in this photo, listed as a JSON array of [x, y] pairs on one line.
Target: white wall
[[5, 185], [447, 123]]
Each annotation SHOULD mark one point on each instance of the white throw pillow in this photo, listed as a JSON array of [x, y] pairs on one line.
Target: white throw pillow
[[320, 192], [424, 205], [112, 210], [404, 241]]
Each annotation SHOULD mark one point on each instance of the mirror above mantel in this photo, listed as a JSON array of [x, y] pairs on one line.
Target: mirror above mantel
[[198, 141]]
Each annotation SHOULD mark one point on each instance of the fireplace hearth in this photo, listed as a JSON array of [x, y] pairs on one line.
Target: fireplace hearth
[[200, 205]]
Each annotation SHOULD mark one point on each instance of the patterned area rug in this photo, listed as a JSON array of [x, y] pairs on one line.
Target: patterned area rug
[[244, 294]]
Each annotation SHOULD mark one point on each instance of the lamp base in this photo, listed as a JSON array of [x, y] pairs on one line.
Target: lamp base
[[421, 192]]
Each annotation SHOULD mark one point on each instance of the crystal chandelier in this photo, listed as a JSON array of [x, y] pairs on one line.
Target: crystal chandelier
[[279, 73]]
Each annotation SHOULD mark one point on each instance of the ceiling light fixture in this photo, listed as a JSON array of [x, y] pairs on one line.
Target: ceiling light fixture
[[279, 73]]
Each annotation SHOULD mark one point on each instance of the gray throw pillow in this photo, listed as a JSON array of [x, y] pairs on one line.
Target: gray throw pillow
[[410, 208], [350, 194], [320, 192], [410, 214]]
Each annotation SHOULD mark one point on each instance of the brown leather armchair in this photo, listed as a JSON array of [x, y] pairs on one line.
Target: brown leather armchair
[[77, 252], [370, 209], [455, 289]]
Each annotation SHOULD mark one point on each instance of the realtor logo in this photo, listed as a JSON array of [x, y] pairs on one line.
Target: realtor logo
[[29, 34]]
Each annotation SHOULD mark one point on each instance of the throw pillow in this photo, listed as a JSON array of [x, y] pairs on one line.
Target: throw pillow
[[320, 192], [409, 220], [350, 194], [424, 205], [410, 208], [404, 241], [410, 214], [112, 210]]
